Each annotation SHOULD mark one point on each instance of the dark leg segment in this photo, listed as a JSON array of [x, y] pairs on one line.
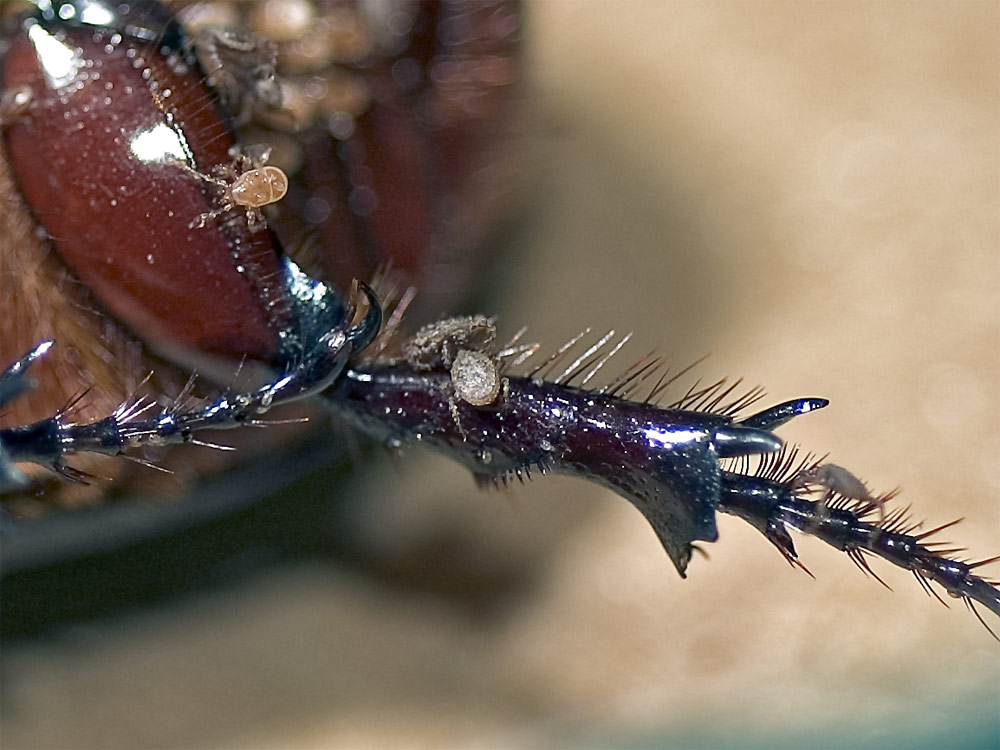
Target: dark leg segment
[[664, 461], [772, 505]]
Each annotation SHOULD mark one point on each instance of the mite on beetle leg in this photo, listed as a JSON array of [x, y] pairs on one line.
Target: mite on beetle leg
[[475, 376], [461, 345], [836, 480], [437, 344], [248, 182]]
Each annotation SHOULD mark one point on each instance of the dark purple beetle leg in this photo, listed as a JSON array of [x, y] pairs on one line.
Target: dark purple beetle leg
[[770, 506], [48, 441], [14, 381], [664, 461]]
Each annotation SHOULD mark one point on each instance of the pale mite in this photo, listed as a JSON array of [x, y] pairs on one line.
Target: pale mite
[[259, 187], [475, 377], [462, 345], [838, 480], [249, 182]]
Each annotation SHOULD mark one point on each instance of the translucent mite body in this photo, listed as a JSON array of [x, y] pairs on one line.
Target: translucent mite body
[[249, 183]]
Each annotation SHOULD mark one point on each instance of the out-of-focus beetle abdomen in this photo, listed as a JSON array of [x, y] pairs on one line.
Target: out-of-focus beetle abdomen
[[407, 133]]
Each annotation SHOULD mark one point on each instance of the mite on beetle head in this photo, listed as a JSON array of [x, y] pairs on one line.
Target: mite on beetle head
[[249, 182]]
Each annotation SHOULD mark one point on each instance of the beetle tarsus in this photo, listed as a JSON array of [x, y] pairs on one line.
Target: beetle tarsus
[[772, 502]]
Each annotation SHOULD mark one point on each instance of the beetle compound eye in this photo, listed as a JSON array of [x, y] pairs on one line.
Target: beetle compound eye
[[118, 123]]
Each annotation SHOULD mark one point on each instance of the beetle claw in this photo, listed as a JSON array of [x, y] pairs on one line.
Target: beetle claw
[[361, 335], [774, 417]]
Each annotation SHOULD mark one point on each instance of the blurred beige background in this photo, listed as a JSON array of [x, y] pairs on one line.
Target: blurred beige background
[[810, 192]]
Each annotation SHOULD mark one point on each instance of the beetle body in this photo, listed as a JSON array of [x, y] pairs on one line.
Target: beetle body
[[841, 528], [667, 462], [601, 630]]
